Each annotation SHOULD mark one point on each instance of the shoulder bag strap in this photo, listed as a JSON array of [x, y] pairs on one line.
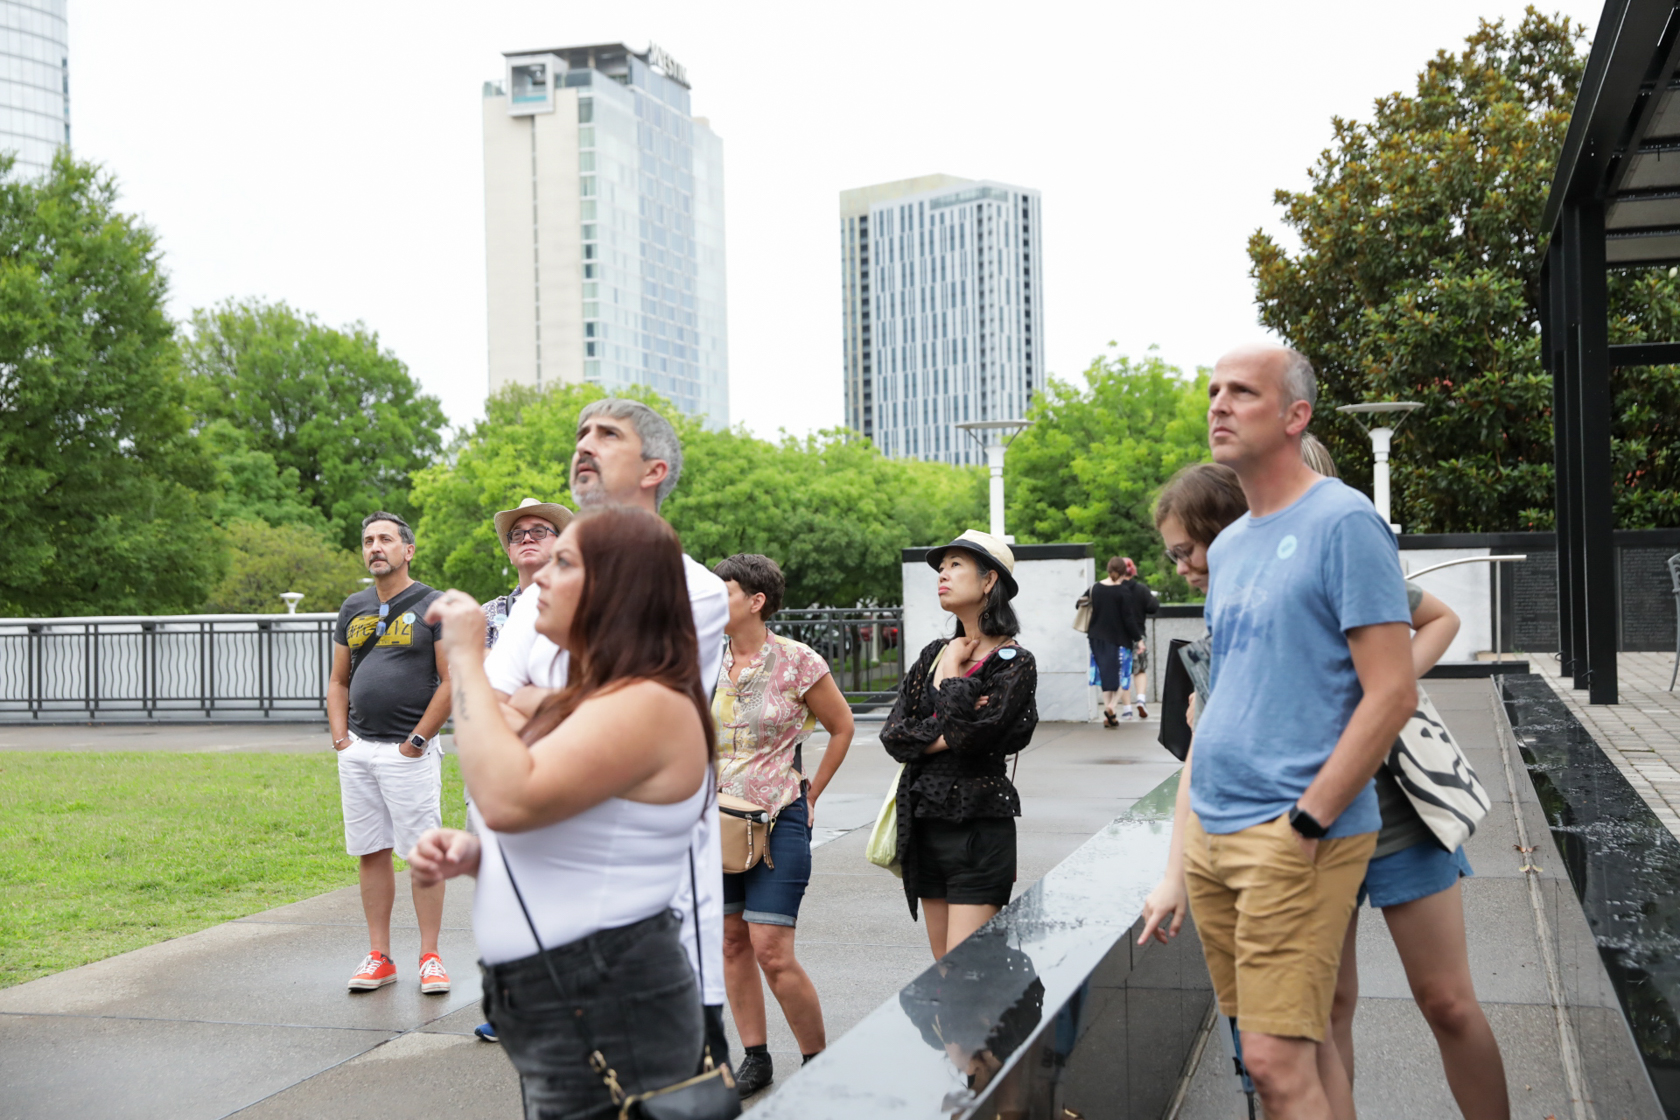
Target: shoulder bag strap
[[597, 1061], [399, 603]]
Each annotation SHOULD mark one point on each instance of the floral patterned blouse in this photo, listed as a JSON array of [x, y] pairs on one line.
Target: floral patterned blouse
[[763, 718]]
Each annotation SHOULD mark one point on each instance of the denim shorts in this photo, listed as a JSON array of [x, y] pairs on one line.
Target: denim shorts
[[1413, 873], [632, 985], [770, 896]]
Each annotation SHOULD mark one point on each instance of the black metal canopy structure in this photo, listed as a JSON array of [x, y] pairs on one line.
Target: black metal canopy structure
[[1614, 203]]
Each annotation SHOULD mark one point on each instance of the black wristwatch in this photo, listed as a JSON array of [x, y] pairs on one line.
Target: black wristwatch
[[1306, 824], [418, 740]]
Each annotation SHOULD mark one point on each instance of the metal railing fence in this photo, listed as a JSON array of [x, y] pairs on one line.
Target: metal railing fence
[[275, 667], [172, 667], [862, 645]]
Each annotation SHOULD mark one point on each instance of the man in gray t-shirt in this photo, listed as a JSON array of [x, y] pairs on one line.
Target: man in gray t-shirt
[[386, 701]]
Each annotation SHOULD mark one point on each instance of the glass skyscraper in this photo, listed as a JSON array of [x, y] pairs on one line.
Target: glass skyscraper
[[604, 227], [34, 82], [944, 311]]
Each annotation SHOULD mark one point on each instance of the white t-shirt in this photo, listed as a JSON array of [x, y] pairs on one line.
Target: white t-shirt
[[521, 656]]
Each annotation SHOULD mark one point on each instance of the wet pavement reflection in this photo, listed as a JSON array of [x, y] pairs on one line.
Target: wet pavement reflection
[[1623, 863], [1048, 1010]]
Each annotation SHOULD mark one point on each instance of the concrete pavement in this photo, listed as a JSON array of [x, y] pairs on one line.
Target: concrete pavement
[[251, 1017]]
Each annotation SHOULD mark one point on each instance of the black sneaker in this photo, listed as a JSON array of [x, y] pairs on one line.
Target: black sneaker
[[753, 1074]]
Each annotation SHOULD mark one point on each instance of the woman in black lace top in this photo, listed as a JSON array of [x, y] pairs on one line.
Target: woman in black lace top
[[963, 708]]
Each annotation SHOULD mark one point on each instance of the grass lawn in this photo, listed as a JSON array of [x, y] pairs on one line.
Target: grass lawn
[[101, 852]]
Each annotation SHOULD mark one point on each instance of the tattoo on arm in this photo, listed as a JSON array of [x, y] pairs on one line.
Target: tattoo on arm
[[459, 707]]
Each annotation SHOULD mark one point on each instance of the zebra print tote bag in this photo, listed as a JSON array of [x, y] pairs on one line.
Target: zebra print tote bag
[[1436, 778]]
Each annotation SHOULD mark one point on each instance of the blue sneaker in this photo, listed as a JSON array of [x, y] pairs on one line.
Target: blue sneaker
[[486, 1032]]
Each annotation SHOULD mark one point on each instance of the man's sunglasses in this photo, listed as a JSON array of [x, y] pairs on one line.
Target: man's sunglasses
[[535, 533], [384, 616], [1181, 554]]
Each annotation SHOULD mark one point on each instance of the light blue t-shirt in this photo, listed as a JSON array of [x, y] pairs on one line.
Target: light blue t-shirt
[[1283, 591]]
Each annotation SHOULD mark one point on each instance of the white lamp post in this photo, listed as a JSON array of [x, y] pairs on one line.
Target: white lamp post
[[1381, 439], [292, 599], [1008, 430]]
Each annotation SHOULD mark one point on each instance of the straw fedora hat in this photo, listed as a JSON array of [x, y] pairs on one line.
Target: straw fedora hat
[[556, 515], [992, 553]]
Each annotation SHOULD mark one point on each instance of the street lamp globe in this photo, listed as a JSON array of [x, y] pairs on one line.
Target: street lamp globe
[[981, 431], [1382, 437]]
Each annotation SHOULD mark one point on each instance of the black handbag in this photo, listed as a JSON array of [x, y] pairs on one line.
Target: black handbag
[[1176, 690], [708, 1095]]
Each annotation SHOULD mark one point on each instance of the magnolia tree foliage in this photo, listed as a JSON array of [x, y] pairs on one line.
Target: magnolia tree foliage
[[1417, 277], [830, 509], [1096, 456]]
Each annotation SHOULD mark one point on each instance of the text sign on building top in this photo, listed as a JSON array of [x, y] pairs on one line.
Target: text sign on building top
[[665, 64]]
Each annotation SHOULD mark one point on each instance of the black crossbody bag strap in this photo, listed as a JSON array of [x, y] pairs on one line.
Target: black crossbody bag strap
[[407, 598], [597, 1061]]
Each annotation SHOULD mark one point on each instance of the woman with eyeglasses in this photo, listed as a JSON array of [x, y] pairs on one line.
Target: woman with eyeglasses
[[1411, 878], [527, 533]]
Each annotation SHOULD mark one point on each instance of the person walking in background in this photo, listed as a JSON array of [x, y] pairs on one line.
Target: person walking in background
[[526, 532], [770, 696], [1312, 681], [584, 821], [387, 698], [963, 708], [1107, 638], [628, 454], [1138, 605]]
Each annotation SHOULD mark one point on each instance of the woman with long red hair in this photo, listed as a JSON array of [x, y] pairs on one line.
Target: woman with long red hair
[[584, 817]]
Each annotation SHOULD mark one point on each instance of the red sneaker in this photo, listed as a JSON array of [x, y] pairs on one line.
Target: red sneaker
[[377, 970], [433, 978]]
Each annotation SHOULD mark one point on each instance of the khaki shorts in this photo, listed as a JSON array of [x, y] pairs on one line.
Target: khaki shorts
[[1271, 923]]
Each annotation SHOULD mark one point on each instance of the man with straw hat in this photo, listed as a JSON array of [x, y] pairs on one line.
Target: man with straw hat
[[527, 533]]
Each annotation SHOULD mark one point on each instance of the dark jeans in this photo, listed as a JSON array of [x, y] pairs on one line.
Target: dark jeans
[[639, 998]]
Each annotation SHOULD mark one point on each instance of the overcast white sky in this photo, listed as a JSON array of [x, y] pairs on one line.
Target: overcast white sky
[[329, 153]]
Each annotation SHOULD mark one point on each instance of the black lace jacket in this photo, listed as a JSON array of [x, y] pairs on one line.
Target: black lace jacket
[[970, 781]]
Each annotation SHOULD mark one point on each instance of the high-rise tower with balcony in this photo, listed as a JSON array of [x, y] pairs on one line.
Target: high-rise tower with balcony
[[943, 310], [34, 82], [604, 227]]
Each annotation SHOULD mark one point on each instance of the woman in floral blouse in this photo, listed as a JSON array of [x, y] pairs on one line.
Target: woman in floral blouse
[[772, 693], [962, 709]]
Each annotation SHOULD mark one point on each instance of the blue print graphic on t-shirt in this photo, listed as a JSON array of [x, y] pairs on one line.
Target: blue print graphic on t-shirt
[[1284, 589]]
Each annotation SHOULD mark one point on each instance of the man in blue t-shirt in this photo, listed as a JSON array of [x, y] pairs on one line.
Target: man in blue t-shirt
[[1312, 681]]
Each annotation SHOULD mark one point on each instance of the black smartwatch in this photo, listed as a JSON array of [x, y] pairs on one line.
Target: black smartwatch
[[419, 742], [1306, 824]]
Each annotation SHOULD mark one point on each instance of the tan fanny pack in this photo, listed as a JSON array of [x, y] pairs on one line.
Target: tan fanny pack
[[744, 833]]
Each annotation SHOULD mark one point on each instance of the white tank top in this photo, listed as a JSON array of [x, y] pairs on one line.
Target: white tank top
[[609, 866]]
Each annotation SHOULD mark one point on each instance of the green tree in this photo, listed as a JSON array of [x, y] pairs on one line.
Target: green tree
[[330, 405], [830, 508], [102, 485], [1090, 466], [266, 560], [251, 486], [1417, 278]]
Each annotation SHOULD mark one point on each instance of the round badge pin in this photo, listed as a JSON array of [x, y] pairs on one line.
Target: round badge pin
[[1007, 654], [1286, 547]]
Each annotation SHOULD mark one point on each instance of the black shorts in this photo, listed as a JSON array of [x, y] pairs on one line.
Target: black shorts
[[971, 863]]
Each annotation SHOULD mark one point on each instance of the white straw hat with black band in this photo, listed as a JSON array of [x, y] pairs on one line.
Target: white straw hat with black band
[[992, 553], [553, 513]]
